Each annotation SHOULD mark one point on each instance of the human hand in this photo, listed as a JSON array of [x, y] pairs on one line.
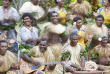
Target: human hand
[[69, 69], [103, 61], [94, 14], [50, 10], [80, 68], [52, 66], [36, 63], [16, 64], [11, 19]]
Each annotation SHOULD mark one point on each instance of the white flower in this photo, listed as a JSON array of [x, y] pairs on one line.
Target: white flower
[[100, 39], [58, 0], [74, 23]]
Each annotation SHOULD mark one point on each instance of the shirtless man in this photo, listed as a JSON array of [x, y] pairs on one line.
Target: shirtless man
[[55, 32]]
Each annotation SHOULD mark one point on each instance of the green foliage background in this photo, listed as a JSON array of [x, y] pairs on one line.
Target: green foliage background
[[0, 2], [50, 3]]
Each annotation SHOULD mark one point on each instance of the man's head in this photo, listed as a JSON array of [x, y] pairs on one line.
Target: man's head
[[60, 3], [106, 3], [3, 47], [99, 20], [43, 44], [54, 17], [79, 1], [104, 40], [35, 2], [78, 21], [27, 19], [6, 3], [73, 39]]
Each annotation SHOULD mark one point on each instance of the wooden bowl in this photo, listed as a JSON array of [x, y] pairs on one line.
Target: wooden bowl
[[88, 72]]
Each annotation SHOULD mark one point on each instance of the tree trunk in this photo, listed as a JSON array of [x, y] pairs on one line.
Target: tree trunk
[[19, 4], [15, 4]]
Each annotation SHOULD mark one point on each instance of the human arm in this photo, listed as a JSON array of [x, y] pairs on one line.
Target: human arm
[[82, 58], [47, 13], [44, 17], [82, 62], [95, 14], [15, 65], [25, 35], [66, 18], [43, 36], [64, 37], [109, 37], [26, 57], [101, 68], [69, 69], [85, 39], [78, 68]]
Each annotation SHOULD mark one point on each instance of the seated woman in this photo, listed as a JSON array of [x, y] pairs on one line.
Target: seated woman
[[79, 28], [28, 33]]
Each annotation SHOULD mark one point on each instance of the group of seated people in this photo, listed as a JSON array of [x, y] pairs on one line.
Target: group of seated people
[[59, 49]]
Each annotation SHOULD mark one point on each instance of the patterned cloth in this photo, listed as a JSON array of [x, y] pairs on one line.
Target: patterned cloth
[[25, 34]]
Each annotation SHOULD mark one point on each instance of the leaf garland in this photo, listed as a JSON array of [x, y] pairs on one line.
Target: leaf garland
[[66, 55], [25, 49]]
